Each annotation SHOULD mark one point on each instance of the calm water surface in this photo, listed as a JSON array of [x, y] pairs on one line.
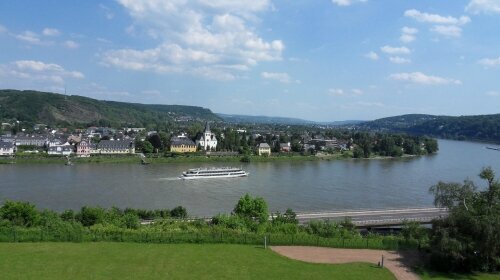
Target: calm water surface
[[302, 186]]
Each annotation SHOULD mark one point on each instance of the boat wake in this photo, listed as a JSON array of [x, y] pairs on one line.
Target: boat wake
[[170, 179]]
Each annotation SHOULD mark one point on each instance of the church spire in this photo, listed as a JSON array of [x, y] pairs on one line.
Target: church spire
[[207, 127]]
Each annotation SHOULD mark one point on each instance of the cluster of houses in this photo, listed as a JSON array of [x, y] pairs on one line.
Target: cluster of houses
[[71, 146], [182, 144], [89, 141]]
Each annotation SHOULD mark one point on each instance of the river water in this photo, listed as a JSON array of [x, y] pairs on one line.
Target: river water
[[302, 186]]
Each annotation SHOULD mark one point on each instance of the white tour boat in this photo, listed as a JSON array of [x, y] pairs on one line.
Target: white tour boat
[[208, 173]]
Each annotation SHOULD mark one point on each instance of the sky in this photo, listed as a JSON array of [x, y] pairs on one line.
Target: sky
[[322, 60]]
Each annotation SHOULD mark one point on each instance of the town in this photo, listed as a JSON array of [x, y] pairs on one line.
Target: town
[[109, 141], [192, 138]]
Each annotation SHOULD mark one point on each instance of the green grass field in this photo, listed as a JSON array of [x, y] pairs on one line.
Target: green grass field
[[165, 261]]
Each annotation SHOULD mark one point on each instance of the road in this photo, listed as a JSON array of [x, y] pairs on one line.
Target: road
[[387, 217]]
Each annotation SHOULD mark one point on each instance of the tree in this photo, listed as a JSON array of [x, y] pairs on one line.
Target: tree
[[431, 145], [358, 152], [165, 141], [178, 212], [90, 216], [469, 238], [289, 217], [20, 213], [130, 220], [296, 146], [413, 231], [252, 208], [155, 142], [147, 148]]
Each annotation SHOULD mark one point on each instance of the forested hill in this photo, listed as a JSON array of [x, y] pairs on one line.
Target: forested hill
[[262, 119], [480, 127], [279, 120], [57, 109]]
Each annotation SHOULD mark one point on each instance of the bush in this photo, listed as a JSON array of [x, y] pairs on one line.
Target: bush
[[178, 212], [90, 216], [131, 221], [252, 208], [230, 221], [20, 213]]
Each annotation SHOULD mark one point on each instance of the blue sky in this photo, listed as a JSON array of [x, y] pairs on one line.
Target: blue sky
[[319, 60]]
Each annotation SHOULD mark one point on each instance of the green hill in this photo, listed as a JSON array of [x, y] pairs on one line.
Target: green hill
[[480, 127], [58, 109]]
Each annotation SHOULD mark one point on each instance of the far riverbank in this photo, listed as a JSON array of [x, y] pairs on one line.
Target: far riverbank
[[131, 159]]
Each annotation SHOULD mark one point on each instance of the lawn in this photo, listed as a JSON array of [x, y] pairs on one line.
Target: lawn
[[165, 261]]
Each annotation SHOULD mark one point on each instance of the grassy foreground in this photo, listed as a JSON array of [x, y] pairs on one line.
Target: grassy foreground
[[165, 261]]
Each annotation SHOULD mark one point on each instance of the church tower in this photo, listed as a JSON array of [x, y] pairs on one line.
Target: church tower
[[208, 134]]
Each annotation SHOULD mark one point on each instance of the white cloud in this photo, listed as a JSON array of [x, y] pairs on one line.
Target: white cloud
[[493, 93], [242, 6], [490, 62], [447, 26], [395, 50], [356, 91], [36, 74], [435, 18], [30, 37], [407, 38], [370, 104], [346, 2], [52, 32], [399, 60], [41, 67], [421, 78], [408, 34], [341, 92], [107, 12], [197, 37], [483, 6], [409, 30], [277, 76], [71, 44], [372, 55], [336, 92], [3, 29], [447, 30]]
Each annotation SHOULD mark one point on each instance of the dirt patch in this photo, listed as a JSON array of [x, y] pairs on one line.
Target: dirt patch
[[398, 263]]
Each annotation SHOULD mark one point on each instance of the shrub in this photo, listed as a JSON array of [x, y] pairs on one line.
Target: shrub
[[90, 216], [178, 212], [20, 213]]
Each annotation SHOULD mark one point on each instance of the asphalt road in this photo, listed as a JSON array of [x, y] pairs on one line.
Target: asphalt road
[[364, 218]]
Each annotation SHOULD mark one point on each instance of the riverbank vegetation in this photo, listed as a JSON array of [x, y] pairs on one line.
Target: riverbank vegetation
[[249, 223]]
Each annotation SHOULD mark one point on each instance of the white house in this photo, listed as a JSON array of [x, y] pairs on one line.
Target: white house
[[6, 148], [61, 150], [111, 147], [263, 149], [207, 140]]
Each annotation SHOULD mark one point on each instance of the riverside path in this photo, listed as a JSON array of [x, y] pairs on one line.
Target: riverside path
[[374, 218]]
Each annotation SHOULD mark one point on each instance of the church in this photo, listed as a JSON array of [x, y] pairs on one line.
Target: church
[[207, 140]]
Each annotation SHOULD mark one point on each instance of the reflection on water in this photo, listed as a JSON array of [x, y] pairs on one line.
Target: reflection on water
[[302, 186]]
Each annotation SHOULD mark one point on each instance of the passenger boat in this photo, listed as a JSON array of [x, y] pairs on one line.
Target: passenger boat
[[209, 173]]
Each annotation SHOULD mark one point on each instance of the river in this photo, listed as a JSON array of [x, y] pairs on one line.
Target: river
[[302, 186]]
